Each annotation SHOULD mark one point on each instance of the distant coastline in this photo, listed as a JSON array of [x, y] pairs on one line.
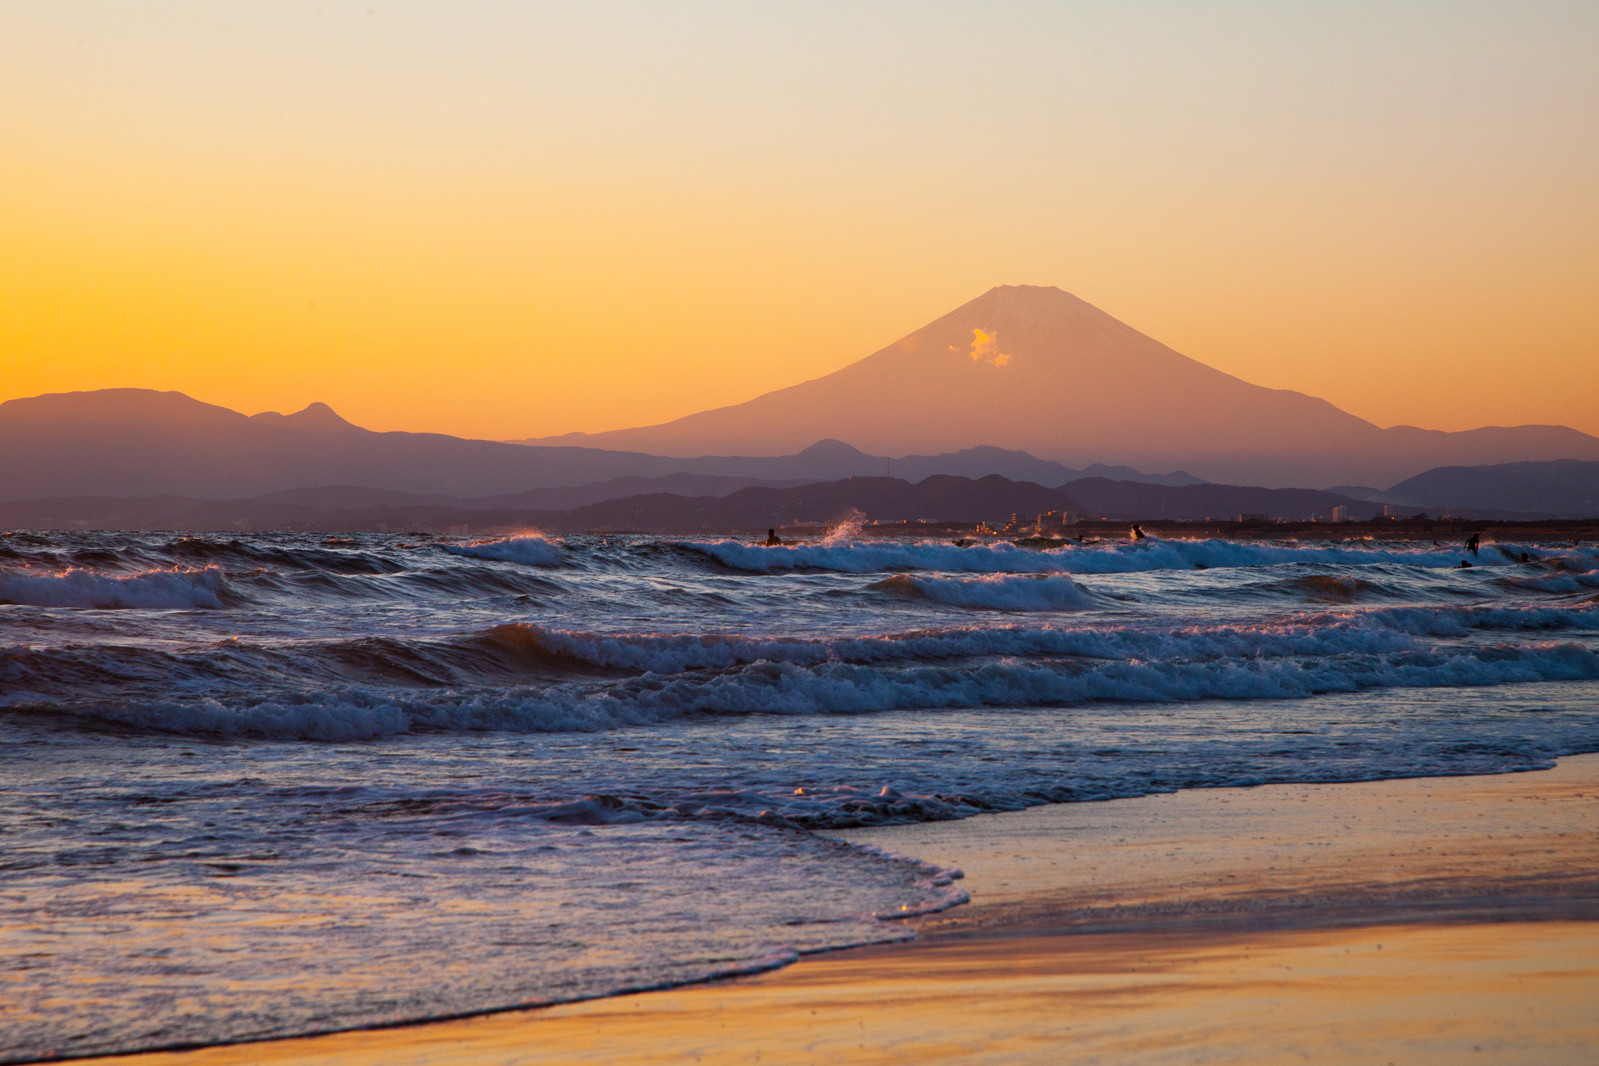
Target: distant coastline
[[224, 516]]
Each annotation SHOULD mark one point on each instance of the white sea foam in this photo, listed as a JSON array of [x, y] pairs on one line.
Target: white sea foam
[[1136, 556], [154, 589], [846, 530], [596, 680], [1456, 621], [530, 550]]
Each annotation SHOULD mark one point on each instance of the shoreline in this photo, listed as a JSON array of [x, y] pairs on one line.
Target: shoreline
[[1523, 842], [1126, 927]]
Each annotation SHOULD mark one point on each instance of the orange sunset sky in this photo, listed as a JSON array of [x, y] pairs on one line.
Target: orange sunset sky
[[517, 219]]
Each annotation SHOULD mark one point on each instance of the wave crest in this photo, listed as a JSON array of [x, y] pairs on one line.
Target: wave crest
[[833, 688], [997, 592], [532, 550], [152, 589]]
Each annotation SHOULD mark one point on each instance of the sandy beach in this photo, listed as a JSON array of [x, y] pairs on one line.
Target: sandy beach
[[1423, 920]]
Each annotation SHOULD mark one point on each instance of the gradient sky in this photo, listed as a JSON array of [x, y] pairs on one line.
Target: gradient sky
[[518, 219]]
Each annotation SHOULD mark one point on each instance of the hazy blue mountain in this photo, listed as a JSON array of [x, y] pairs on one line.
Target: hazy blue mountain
[[1563, 488], [1127, 473]]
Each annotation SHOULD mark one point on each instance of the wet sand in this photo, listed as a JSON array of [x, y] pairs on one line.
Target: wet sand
[[1434, 920]]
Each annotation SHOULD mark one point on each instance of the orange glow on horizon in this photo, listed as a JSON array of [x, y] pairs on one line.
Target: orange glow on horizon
[[468, 251]]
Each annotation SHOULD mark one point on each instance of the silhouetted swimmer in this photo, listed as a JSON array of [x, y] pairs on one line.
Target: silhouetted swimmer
[[772, 540], [1471, 544], [1526, 558], [961, 542], [1138, 531], [1463, 565]]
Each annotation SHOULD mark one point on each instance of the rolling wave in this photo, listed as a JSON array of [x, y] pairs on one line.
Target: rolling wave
[[998, 592], [155, 589], [829, 688], [525, 678], [1130, 557], [339, 560], [529, 550], [1328, 588], [525, 652]]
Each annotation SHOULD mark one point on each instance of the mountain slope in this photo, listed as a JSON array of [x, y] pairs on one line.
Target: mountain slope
[[139, 442], [1039, 370]]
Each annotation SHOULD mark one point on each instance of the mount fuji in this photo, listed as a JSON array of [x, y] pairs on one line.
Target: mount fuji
[[1036, 369]]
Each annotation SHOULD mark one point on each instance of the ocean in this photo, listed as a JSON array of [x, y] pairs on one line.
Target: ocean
[[272, 784]]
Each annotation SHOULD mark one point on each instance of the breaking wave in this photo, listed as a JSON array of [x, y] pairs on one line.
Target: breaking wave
[[1130, 557], [529, 550], [526, 652], [831, 688], [156, 589], [524, 678], [999, 592], [343, 557]]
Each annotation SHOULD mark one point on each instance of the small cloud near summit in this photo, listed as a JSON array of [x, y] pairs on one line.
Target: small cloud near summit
[[985, 349]]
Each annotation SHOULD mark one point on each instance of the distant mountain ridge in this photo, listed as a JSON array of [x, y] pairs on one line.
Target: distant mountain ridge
[[1564, 487], [142, 459], [139, 442], [1036, 369], [940, 498]]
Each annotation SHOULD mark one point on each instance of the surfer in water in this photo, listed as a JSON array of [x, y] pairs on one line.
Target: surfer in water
[[1472, 543], [772, 540], [1137, 532]]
